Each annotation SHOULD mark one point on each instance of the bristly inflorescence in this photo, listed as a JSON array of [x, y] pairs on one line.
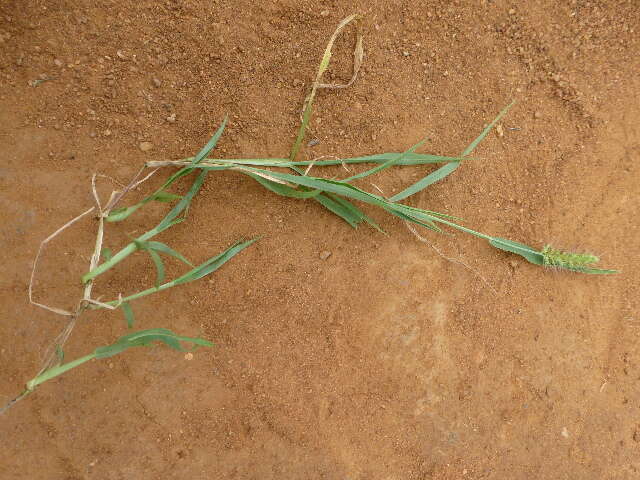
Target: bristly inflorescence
[[577, 262]]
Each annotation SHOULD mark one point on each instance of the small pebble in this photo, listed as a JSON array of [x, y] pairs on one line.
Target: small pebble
[[171, 118], [537, 115], [57, 62], [313, 142], [325, 254], [156, 82], [512, 11], [324, 13], [146, 146], [188, 356], [121, 55], [500, 130], [565, 432], [107, 133]]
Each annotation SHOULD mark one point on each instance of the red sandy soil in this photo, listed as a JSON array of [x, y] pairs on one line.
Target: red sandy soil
[[386, 360]]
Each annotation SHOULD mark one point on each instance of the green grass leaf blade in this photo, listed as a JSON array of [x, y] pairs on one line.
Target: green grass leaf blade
[[173, 222], [427, 223], [120, 214], [160, 195], [128, 314], [333, 186], [59, 354], [284, 190], [429, 213], [408, 159], [529, 253], [355, 211], [57, 370], [145, 338], [184, 202], [306, 117], [447, 169], [159, 266], [176, 176], [106, 253], [166, 249], [392, 161], [433, 177], [213, 263], [339, 210], [196, 273], [137, 339], [486, 130], [166, 197], [210, 144], [170, 341], [139, 244], [340, 188]]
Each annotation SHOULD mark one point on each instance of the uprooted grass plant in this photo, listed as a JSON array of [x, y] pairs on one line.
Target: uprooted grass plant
[[335, 195], [54, 364]]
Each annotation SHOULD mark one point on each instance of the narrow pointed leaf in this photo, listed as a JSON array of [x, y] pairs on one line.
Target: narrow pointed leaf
[[166, 197], [433, 177], [392, 161], [336, 208], [340, 188], [487, 129], [128, 314], [284, 190], [166, 249], [212, 264], [530, 253], [184, 202], [426, 223], [161, 195], [447, 169], [210, 144], [147, 337], [408, 159], [120, 214], [159, 266]]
